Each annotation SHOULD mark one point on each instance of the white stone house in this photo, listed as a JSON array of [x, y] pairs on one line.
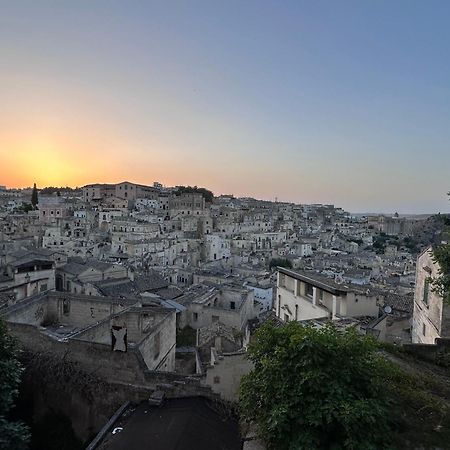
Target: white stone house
[[307, 295]]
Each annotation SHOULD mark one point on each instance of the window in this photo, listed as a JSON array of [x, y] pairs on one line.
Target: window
[[66, 307], [232, 305], [215, 318], [296, 312], [424, 329], [43, 287], [156, 345], [216, 380], [308, 290], [426, 291], [195, 317]]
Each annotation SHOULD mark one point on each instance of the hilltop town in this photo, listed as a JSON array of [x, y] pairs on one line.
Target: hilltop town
[[158, 290]]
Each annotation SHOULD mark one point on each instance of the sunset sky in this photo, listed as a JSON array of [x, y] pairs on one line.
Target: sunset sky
[[344, 102]]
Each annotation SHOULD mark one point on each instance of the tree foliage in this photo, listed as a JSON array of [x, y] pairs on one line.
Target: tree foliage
[[13, 435], [441, 284], [34, 196], [315, 389], [50, 190], [26, 207], [207, 194]]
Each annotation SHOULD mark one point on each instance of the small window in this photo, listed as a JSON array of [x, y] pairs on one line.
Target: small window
[[215, 318], [195, 316], [216, 380], [426, 291], [66, 307], [424, 329], [232, 305]]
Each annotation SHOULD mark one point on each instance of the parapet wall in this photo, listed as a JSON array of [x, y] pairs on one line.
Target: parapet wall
[[438, 353], [88, 382]]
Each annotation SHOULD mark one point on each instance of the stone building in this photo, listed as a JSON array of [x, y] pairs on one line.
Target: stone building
[[431, 317], [53, 209], [307, 295], [124, 190], [232, 306], [28, 275], [111, 335]]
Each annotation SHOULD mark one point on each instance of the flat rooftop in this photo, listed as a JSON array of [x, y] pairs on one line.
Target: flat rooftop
[[179, 424], [60, 331]]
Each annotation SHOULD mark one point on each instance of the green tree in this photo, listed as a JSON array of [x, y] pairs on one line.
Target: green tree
[[441, 255], [315, 389], [34, 197], [441, 284], [26, 207], [13, 435]]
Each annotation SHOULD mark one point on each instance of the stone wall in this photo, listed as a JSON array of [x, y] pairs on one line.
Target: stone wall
[[88, 382], [428, 314], [438, 353], [225, 375], [158, 348]]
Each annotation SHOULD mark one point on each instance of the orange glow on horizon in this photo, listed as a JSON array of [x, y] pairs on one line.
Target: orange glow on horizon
[[58, 162]]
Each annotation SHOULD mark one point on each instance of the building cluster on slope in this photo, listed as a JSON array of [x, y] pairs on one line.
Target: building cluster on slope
[[126, 268], [110, 237]]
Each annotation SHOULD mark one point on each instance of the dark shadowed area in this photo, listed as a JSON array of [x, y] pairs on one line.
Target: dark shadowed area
[[179, 424]]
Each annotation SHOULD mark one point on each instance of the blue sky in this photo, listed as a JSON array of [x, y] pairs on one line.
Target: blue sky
[[322, 101]]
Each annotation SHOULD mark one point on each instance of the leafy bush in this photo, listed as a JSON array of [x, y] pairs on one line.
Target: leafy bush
[[441, 284], [316, 389], [13, 435]]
